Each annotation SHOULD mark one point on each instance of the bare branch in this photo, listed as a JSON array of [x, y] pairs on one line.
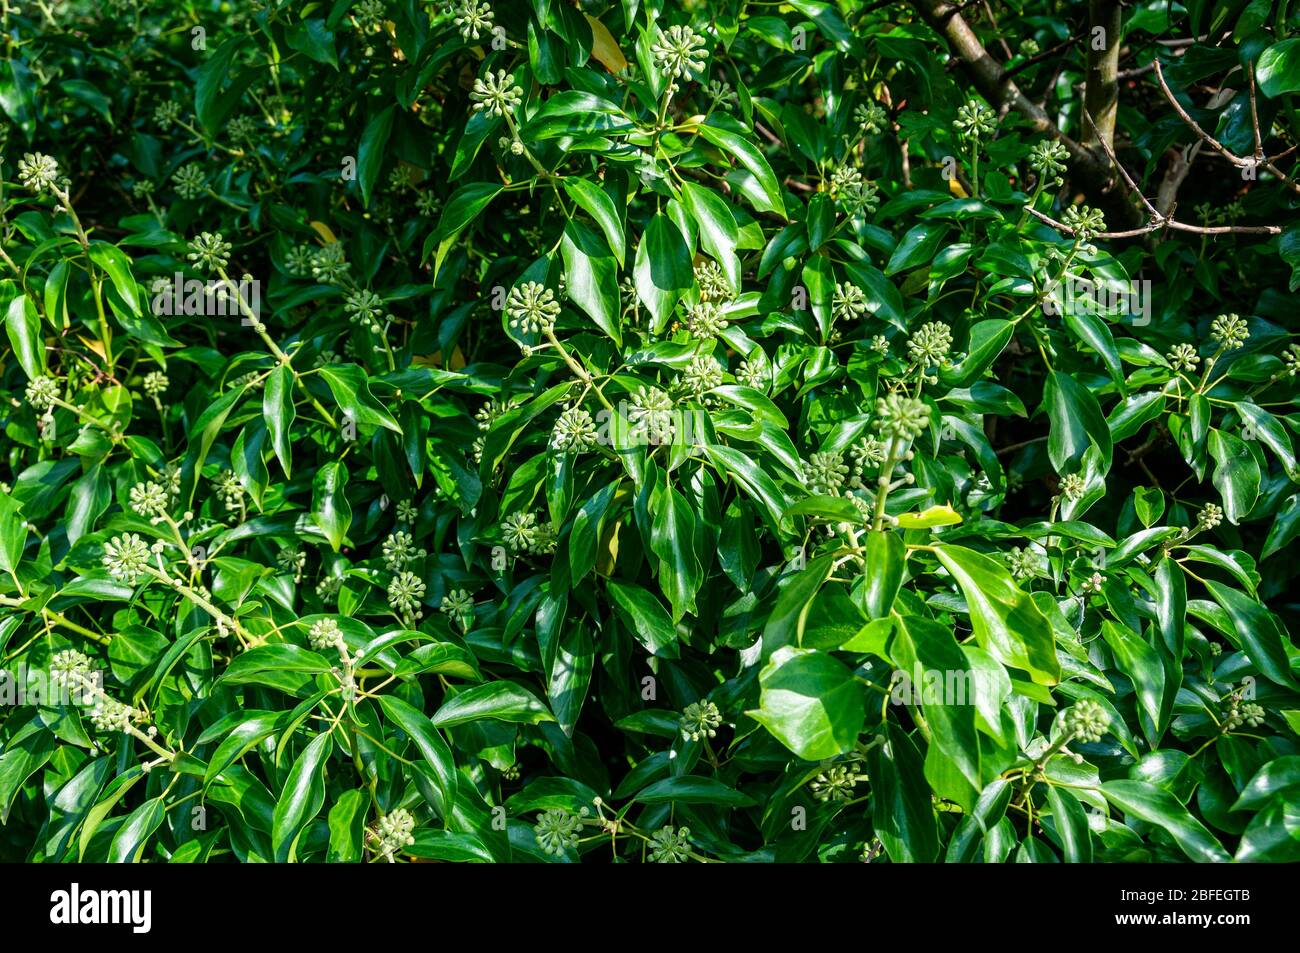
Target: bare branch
[[1256, 161], [1156, 224], [992, 79]]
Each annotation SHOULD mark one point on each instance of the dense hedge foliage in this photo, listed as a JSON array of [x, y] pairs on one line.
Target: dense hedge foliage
[[630, 430]]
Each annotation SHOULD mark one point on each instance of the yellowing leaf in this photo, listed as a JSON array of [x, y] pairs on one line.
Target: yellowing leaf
[[324, 232], [934, 516], [955, 188], [607, 556], [604, 47]]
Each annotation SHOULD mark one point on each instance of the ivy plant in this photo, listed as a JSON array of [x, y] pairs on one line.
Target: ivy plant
[[640, 430]]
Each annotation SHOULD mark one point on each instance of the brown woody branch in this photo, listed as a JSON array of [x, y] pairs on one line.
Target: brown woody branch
[[1162, 222], [1259, 160], [994, 83]]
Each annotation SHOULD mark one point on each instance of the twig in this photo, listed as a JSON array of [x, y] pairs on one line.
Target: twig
[[1240, 162], [1161, 222]]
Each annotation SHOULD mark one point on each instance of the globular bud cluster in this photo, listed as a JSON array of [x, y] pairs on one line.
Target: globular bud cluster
[[848, 302], [1087, 720], [558, 830], [901, 417], [1021, 563], [705, 320], [1093, 583], [496, 94], [166, 113], [1072, 487], [229, 490], [702, 375], [405, 593], [574, 431], [975, 120], [670, 845], [126, 557], [870, 117], [930, 346], [524, 533], [836, 783], [679, 52], [329, 264], [38, 172], [364, 309], [755, 371], [712, 282], [1084, 221], [1230, 331], [650, 414], [852, 191], [473, 19], [1048, 158], [399, 549], [394, 831], [1209, 516], [1242, 713], [532, 308], [155, 384], [111, 715], [190, 181], [41, 393], [458, 604], [326, 634], [867, 454], [700, 720], [825, 473], [72, 671], [150, 500], [1291, 360], [1183, 357], [292, 560]]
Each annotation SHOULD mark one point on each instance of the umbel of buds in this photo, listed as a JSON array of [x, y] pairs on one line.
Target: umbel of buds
[[404, 595], [126, 557], [670, 845], [1239, 713], [38, 172], [1084, 221], [41, 393], [1230, 331], [898, 415], [1047, 158], [848, 302], [825, 473], [575, 431], [149, 499], [496, 94], [458, 604], [325, 634], [209, 251], [836, 783], [1087, 720], [394, 831], [558, 830], [975, 120], [399, 549], [1210, 516], [679, 51], [700, 720], [930, 345], [473, 19], [532, 308]]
